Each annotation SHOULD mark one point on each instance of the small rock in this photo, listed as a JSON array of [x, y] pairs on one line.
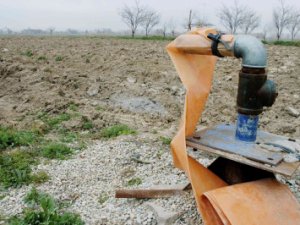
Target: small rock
[[131, 80], [162, 216], [228, 78], [293, 112], [93, 90], [4, 50]]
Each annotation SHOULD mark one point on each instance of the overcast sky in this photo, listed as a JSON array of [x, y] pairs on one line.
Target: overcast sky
[[99, 14]]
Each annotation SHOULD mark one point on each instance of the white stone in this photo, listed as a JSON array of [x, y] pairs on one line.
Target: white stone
[[293, 112]]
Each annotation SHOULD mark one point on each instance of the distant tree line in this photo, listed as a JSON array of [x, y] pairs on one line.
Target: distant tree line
[[235, 18]]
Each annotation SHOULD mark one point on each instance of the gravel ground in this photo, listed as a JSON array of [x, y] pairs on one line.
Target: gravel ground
[[104, 167], [108, 165]]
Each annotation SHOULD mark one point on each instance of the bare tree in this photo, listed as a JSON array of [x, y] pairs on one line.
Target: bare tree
[[172, 28], [265, 32], [51, 30], [281, 18], [294, 25], [232, 17], [251, 21], [133, 16], [164, 30], [189, 22], [151, 19]]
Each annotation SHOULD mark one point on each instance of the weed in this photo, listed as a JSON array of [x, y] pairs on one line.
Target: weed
[[15, 168], [166, 140], [103, 197], [53, 121], [116, 130], [134, 181], [68, 137], [87, 60], [59, 58], [2, 197], [11, 138], [42, 58], [27, 53], [40, 177], [43, 209], [73, 107], [99, 108], [56, 151], [87, 123]]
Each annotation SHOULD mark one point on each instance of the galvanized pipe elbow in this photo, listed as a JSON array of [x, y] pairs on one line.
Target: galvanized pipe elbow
[[251, 50]]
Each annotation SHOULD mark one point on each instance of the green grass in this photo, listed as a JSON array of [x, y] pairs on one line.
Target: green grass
[[59, 58], [42, 209], [134, 181], [287, 43], [40, 177], [165, 140], [149, 38], [73, 107], [283, 43], [56, 151], [53, 121], [42, 58], [103, 198], [87, 124], [10, 137], [69, 137], [27, 53], [15, 169], [117, 130]]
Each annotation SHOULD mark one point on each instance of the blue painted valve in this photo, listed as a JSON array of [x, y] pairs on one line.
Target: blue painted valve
[[246, 127]]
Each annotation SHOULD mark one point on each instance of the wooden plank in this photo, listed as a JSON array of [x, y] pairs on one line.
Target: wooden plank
[[283, 168]]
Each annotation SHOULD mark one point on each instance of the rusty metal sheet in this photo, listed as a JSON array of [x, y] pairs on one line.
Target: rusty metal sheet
[[222, 137]]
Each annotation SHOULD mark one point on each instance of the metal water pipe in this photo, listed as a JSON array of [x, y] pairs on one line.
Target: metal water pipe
[[255, 91]]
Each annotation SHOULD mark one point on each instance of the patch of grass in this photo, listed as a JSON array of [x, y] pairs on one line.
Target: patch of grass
[[40, 177], [59, 58], [73, 107], [11, 138], [69, 137], [87, 123], [283, 43], [149, 38], [2, 197], [53, 121], [287, 43], [44, 209], [99, 108], [15, 168], [103, 198], [117, 130], [42, 58], [134, 181], [27, 53], [165, 140], [56, 151]]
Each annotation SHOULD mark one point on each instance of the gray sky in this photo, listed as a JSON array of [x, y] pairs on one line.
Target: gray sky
[[99, 14]]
